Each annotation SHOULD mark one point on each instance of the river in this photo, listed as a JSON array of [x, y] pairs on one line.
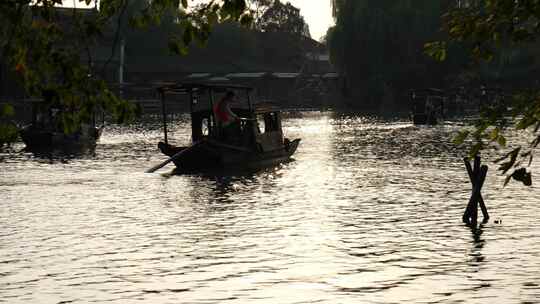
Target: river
[[369, 211]]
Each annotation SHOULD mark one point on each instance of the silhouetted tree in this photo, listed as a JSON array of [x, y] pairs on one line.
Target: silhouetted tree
[[259, 7], [378, 46], [284, 18]]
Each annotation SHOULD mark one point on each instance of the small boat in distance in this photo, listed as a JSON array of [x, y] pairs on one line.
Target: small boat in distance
[[46, 130], [427, 106], [253, 146]]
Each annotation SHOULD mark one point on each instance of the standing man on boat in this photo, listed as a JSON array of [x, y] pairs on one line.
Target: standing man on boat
[[227, 120]]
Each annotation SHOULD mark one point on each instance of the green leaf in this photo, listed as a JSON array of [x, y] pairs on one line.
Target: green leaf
[[461, 137], [7, 110], [437, 50], [504, 167], [174, 46], [212, 17], [246, 20], [501, 140], [523, 176], [494, 134], [8, 133], [475, 149], [184, 51], [441, 56], [188, 35]]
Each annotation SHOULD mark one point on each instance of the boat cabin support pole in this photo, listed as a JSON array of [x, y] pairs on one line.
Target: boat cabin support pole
[[191, 106], [249, 101], [164, 115], [212, 115], [190, 101], [443, 102]]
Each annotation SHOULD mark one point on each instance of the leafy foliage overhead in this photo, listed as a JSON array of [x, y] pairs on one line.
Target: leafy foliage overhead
[[488, 28], [50, 49]]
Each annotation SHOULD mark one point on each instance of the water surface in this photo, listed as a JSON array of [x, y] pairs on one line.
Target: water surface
[[369, 212]]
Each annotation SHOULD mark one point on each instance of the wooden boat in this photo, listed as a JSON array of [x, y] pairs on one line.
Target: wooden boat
[[46, 131], [427, 106], [427, 118], [253, 145], [36, 137]]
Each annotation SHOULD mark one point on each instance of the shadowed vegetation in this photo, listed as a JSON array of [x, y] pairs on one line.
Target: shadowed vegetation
[[70, 55], [50, 50], [378, 46]]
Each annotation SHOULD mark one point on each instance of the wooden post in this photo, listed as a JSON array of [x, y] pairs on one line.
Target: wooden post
[[477, 175]]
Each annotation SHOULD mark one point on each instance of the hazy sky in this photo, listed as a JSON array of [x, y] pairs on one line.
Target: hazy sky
[[318, 15]]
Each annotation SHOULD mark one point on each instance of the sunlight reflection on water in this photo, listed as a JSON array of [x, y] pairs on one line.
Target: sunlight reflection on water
[[368, 212]]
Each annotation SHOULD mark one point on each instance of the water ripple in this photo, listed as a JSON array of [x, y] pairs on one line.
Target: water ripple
[[368, 212]]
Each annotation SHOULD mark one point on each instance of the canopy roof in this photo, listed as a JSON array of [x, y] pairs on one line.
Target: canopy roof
[[246, 75], [266, 107], [286, 75], [180, 88], [432, 92], [199, 75]]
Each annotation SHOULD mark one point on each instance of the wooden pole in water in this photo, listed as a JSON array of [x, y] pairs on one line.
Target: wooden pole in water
[[477, 174]]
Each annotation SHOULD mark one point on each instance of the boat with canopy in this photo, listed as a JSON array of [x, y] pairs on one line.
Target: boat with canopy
[[47, 130], [257, 140]]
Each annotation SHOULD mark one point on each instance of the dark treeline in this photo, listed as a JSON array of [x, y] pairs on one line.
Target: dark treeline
[[378, 47], [277, 41]]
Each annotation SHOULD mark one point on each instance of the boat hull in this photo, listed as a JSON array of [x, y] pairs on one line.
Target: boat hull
[[424, 119], [35, 138], [212, 155]]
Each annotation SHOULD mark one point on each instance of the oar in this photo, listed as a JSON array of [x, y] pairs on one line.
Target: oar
[[172, 158]]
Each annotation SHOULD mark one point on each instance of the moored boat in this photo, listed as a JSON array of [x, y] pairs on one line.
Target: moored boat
[[427, 106], [35, 137], [46, 130]]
